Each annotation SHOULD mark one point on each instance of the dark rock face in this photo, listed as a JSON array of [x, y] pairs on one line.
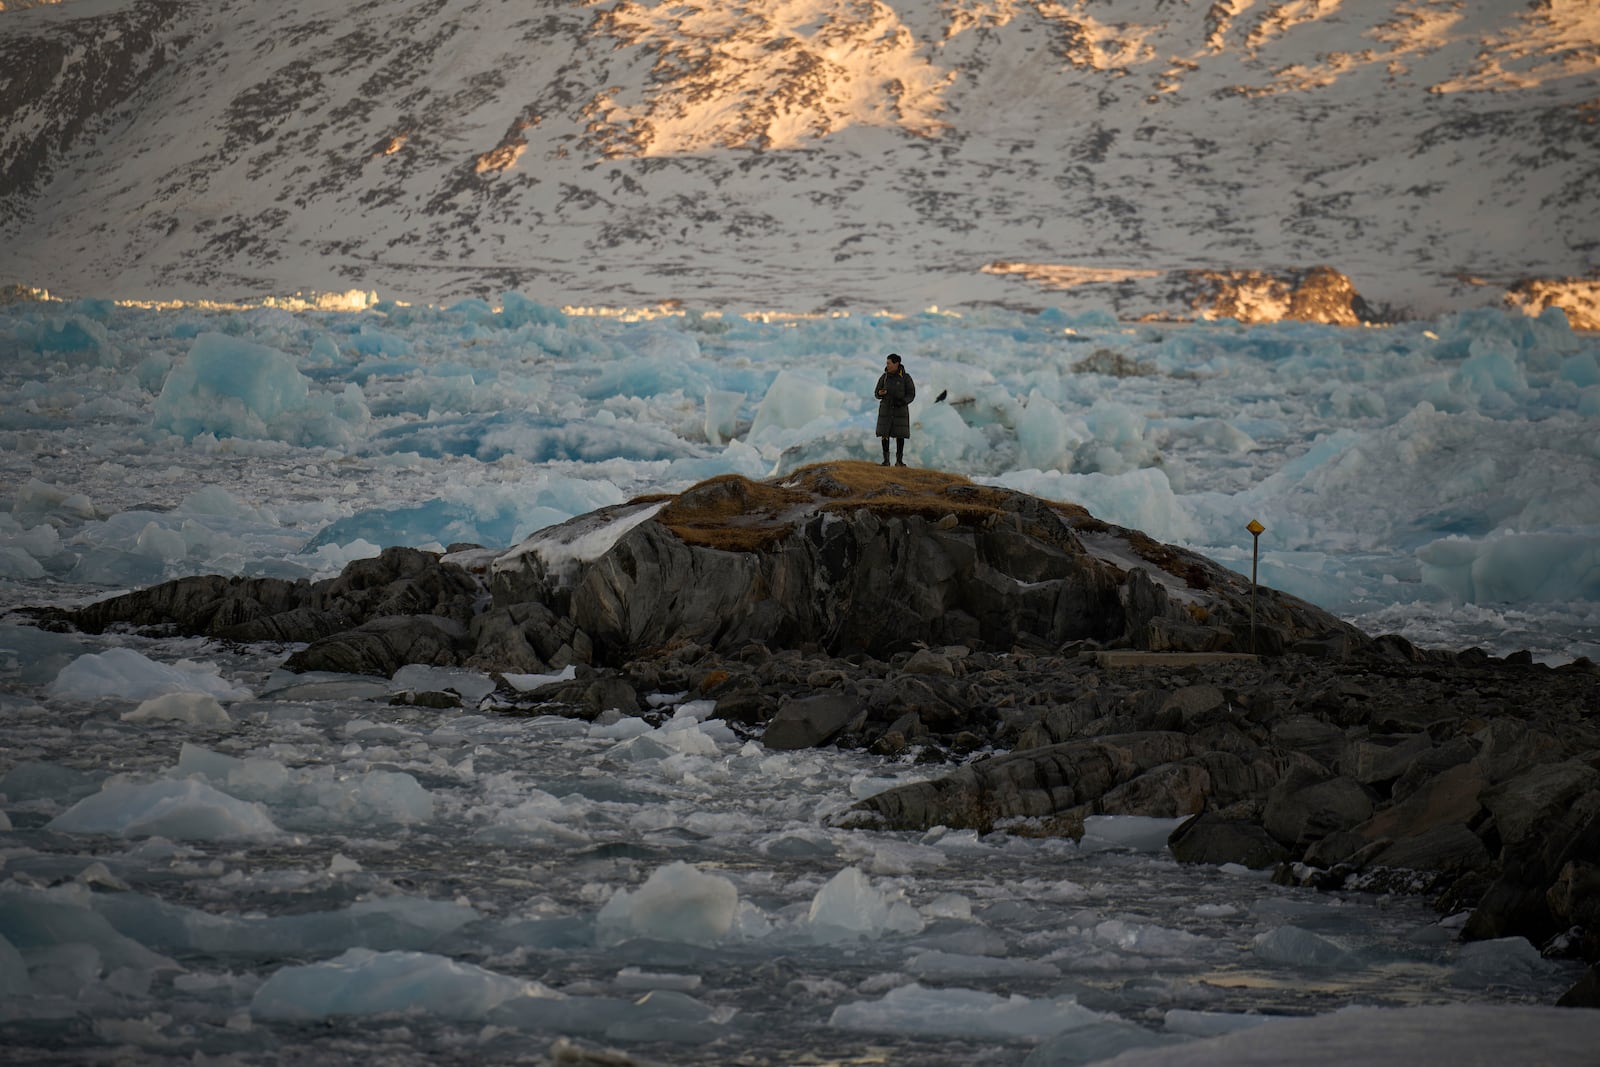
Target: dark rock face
[[979, 637], [210, 605], [810, 721], [993, 571], [1532, 896], [383, 645], [402, 606], [1301, 809], [1395, 776], [1208, 838], [1034, 783], [938, 561], [1586, 993]]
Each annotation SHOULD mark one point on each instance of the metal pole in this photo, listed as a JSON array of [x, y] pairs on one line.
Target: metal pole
[[1256, 530]]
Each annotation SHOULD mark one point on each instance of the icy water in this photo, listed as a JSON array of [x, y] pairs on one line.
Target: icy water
[[464, 837], [205, 860]]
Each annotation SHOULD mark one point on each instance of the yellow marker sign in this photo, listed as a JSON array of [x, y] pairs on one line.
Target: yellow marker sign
[[1256, 528]]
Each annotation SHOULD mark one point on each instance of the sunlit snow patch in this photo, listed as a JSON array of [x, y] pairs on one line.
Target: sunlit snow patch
[[561, 548]]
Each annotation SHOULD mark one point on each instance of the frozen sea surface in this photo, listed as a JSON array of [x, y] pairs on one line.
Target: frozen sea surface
[[342, 879], [203, 859]]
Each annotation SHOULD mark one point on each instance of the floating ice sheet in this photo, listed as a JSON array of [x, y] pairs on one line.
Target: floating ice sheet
[[967, 1013], [186, 810], [123, 674], [363, 982], [677, 902]]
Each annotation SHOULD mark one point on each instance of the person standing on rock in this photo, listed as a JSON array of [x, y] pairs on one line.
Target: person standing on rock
[[895, 392]]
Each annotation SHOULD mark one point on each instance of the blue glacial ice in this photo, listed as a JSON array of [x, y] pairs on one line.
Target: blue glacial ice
[[1403, 474]]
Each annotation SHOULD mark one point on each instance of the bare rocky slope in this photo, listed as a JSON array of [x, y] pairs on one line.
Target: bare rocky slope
[[1154, 157]]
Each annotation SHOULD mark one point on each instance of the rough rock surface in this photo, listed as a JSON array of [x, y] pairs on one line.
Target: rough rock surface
[[1460, 775], [1320, 294], [837, 557], [844, 558], [930, 620], [1578, 299], [398, 582]]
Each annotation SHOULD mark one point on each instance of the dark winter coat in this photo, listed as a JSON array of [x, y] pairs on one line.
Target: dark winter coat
[[894, 408]]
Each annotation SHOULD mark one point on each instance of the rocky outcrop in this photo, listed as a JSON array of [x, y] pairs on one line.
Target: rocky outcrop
[[844, 557], [1320, 294], [841, 558], [402, 606], [810, 721], [1578, 298], [1388, 774], [383, 645], [924, 618], [1156, 773], [1210, 838]]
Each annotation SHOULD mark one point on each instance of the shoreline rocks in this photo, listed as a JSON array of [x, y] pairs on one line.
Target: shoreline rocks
[[927, 619]]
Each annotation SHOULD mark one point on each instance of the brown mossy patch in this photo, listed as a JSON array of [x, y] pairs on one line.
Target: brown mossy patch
[[738, 515], [731, 512], [854, 479], [712, 680], [901, 491]]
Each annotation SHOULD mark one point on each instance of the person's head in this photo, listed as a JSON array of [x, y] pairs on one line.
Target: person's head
[[892, 364]]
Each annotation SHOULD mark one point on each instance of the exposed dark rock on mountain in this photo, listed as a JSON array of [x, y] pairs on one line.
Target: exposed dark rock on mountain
[[60, 87], [1320, 294], [1578, 298]]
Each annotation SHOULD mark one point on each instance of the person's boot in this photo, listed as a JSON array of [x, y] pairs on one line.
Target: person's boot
[[899, 455], [885, 462]]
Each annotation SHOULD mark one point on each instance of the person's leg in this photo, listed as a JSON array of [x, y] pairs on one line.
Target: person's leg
[[885, 441], [899, 451]]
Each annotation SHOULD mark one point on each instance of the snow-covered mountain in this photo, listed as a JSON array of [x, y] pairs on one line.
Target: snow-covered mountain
[[804, 154]]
